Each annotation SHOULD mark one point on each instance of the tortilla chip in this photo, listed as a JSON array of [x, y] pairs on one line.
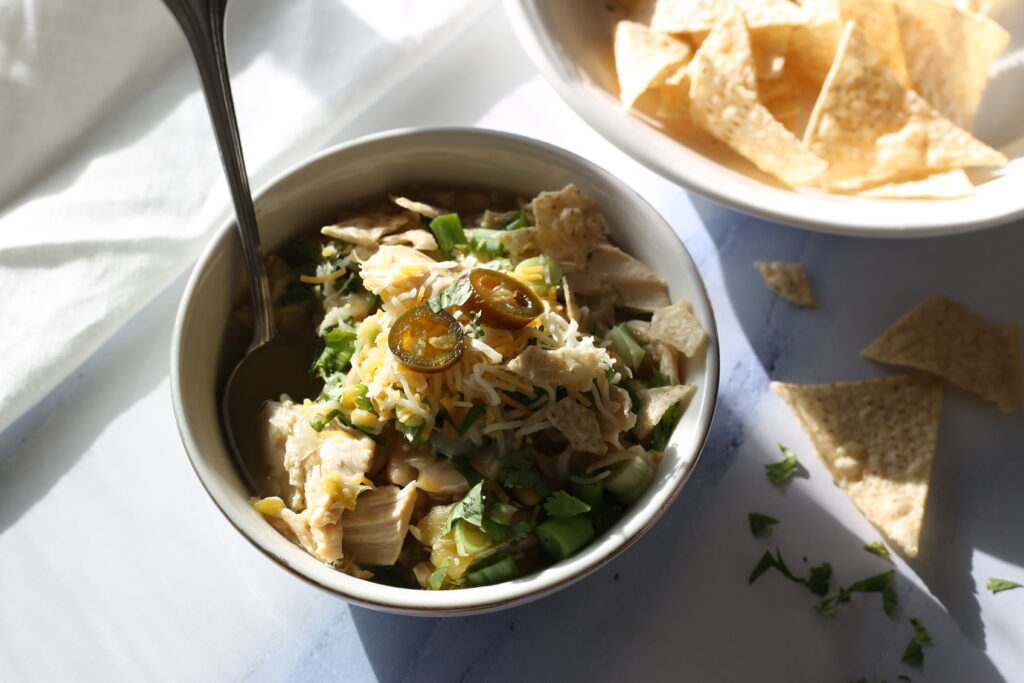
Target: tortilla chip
[[645, 59], [948, 53], [700, 16], [520, 244], [947, 185], [569, 226], [674, 101], [788, 280], [366, 231], [812, 45], [418, 207], [768, 47], [948, 340], [877, 18], [877, 438], [654, 403], [677, 326], [870, 128], [723, 100]]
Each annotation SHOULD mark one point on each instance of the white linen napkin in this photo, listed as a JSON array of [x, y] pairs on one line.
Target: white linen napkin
[[110, 182]]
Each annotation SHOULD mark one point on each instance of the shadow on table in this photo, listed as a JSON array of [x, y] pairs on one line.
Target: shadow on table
[[863, 286], [675, 603], [38, 449]]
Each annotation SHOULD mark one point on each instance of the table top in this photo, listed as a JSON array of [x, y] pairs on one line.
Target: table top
[[116, 565]]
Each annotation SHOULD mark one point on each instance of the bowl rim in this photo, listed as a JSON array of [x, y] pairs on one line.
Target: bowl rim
[[212, 249], [832, 217]]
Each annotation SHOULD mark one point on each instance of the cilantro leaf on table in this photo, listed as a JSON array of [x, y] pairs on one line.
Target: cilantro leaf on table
[[761, 525], [564, 504], [878, 548], [999, 585], [817, 582], [782, 471], [914, 654], [879, 583], [920, 633], [455, 294]]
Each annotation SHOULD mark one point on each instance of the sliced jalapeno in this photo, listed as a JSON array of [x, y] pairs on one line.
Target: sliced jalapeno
[[426, 340], [502, 300]]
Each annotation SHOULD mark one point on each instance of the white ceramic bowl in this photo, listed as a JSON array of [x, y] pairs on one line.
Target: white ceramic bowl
[[570, 42], [317, 191]]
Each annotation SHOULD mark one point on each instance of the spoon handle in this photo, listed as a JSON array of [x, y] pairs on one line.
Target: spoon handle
[[202, 21]]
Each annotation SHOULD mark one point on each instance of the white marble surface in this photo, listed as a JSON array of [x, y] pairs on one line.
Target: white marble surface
[[115, 566]]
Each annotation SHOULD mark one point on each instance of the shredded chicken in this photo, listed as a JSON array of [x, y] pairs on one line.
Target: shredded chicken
[[375, 530]]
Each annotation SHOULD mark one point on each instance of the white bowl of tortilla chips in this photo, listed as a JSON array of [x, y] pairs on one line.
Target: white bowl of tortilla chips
[[882, 118]]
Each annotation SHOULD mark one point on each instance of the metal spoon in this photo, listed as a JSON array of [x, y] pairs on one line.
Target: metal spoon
[[272, 364]]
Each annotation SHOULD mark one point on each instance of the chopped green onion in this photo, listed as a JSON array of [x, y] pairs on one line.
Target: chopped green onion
[[551, 273], [481, 241], [494, 569], [471, 416], [630, 478], [659, 379], [592, 494], [561, 537], [470, 539], [518, 221], [448, 232], [502, 512], [364, 403], [318, 423], [626, 346], [437, 577]]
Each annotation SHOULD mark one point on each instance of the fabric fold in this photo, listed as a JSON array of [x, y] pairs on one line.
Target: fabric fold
[[127, 190]]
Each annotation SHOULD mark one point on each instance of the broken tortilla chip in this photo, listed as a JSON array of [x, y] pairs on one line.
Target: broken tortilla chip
[[723, 100], [877, 439], [657, 401], [948, 52], [870, 128], [788, 280], [877, 18], [676, 326], [569, 226], [947, 339], [946, 185], [645, 59]]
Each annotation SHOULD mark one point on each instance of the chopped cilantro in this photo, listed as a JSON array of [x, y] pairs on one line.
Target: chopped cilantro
[[920, 633], [659, 379], [339, 345], [516, 472], [475, 331], [362, 402], [297, 294], [878, 548], [817, 582], [437, 577], [470, 508], [879, 583], [413, 433], [999, 585], [318, 423], [779, 472], [466, 469], [563, 504], [913, 655], [663, 430], [455, 294], [761, 525]]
